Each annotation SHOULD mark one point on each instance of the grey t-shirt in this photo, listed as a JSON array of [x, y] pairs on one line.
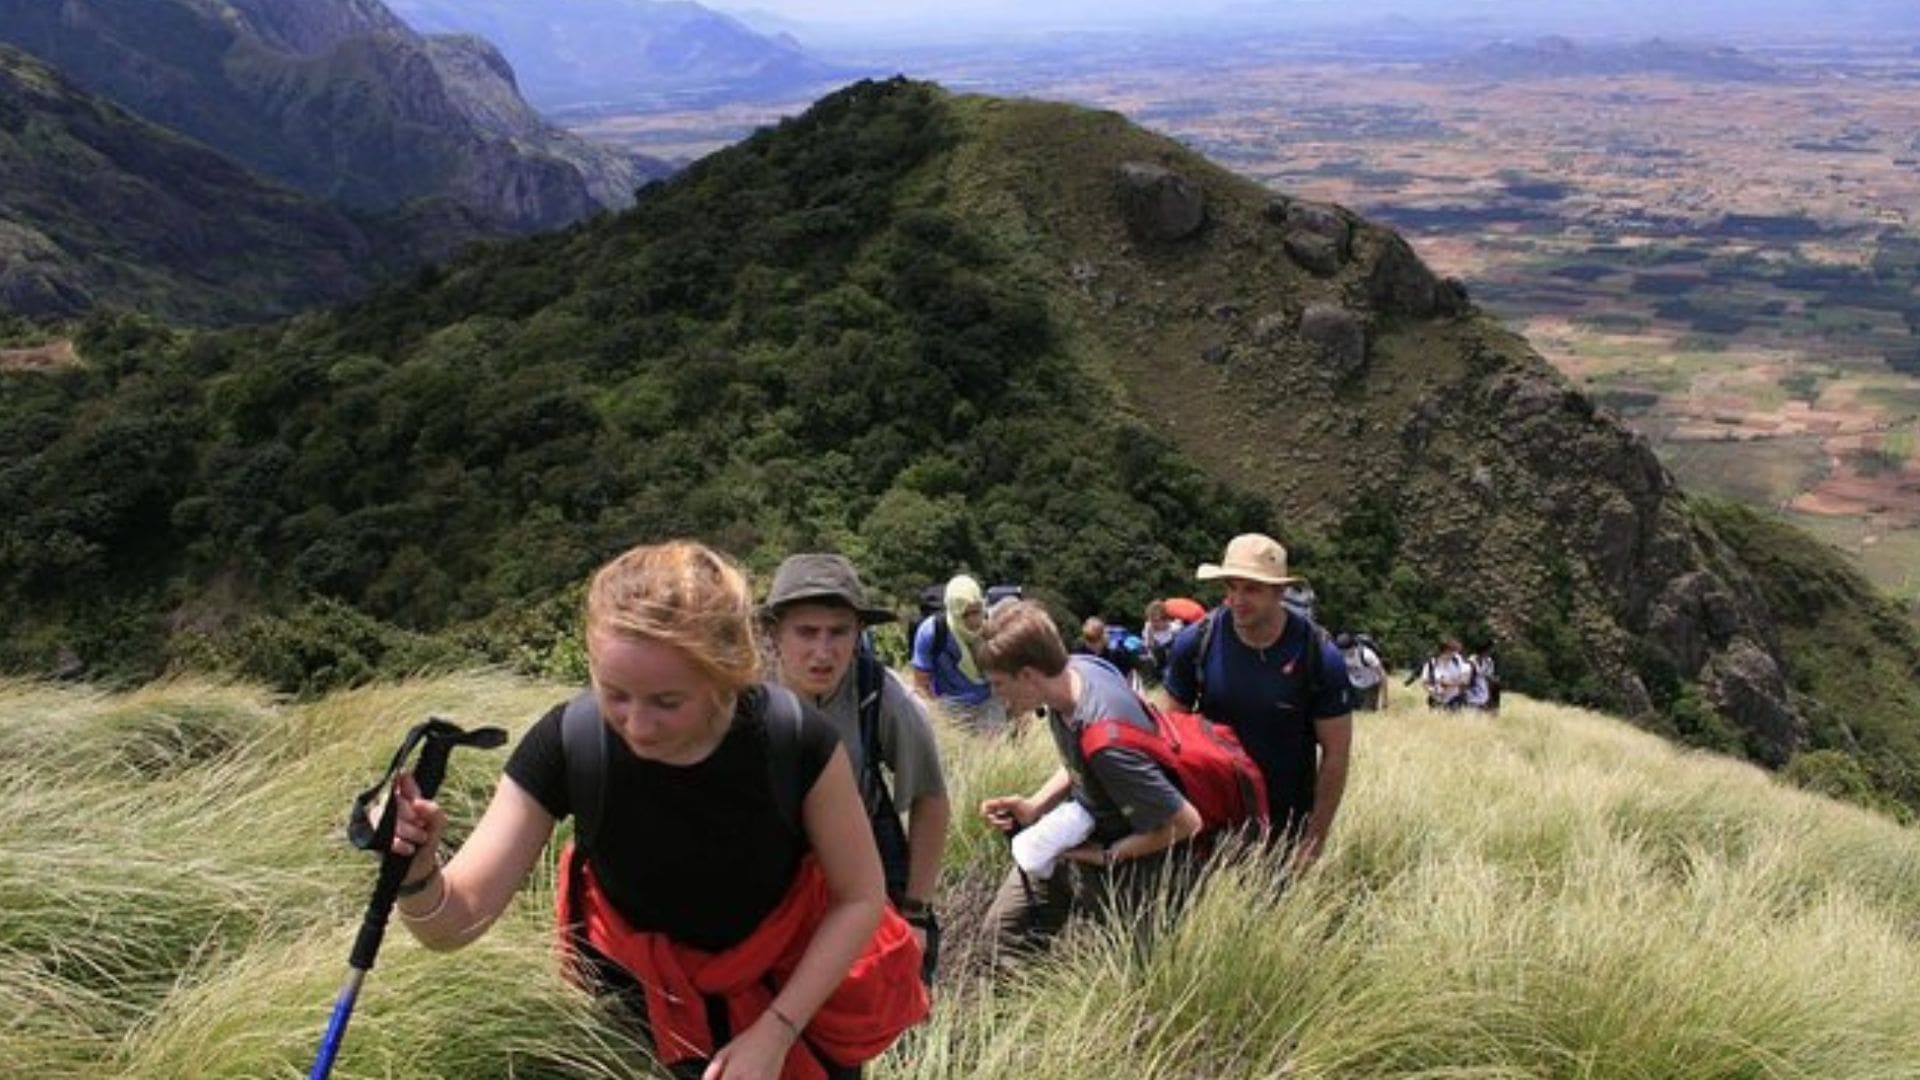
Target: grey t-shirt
[[908, 751], [1124, 790]]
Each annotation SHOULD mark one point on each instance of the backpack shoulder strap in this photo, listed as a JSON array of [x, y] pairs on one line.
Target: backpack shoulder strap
[[868, 682], [783, 754], [1105, 734], [1315, 661], [583, 744], [941, 636], [583, 739], [1207, 626]]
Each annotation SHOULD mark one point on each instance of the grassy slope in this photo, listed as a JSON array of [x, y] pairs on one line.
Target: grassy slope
[[1856, 659], [1548, 893], [1038, 177]]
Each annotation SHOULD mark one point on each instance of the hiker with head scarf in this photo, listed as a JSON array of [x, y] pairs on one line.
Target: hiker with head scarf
[[944, 668]]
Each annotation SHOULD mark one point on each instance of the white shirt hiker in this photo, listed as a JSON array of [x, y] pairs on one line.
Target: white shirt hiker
[[1364, 669]]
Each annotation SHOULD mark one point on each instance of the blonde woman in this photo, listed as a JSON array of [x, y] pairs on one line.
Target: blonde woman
[[727, 919]]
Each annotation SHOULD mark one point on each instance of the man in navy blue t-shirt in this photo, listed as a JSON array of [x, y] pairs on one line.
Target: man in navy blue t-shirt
[[1292, 714]]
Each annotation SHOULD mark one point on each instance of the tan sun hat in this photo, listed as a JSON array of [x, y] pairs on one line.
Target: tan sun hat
[[1251, 556]]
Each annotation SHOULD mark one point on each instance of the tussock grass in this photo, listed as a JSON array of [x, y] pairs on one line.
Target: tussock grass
[[1546, 893]]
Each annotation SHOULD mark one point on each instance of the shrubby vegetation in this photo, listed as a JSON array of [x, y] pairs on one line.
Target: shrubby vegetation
[[784, 348], [816, 339], [1856, 657]]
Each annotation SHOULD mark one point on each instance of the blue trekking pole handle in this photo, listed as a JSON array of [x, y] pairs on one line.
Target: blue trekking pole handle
[[440, 737]]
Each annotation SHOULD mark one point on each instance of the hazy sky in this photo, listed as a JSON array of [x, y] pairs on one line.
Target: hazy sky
[[1900, 17]]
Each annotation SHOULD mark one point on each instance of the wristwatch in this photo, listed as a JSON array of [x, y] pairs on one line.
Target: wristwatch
[[911, 909]]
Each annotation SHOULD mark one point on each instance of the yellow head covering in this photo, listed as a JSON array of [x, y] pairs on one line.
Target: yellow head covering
[[963, 594]]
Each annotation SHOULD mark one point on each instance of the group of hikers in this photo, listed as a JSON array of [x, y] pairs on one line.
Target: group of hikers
[[759, 808], [1455, 681]]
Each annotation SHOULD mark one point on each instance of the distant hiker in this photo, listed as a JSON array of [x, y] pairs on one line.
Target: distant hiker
[[1299, 599], [1186, 610], [816, 612], [1108, 643], [1093, 638], [944, 667], [1484, 691], [1365, 673], [1446, 676], [722, 884], [1279, 682], [1158, 630], [1140, 816]]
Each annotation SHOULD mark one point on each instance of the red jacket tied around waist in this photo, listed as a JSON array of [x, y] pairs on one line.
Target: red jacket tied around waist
[[881, 996]]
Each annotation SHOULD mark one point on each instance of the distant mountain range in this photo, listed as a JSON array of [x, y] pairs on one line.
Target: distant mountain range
[[338, 98], [1559, 57], [99, 207], [939, 331], [594, 54]]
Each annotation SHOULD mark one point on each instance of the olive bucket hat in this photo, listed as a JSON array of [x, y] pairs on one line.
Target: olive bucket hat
[[821, 578]]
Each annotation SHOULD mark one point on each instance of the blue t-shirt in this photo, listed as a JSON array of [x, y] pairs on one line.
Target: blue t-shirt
[[1259, 693], [948, 680]]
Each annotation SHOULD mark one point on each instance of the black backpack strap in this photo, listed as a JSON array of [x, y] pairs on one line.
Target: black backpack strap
[[867, 679], [783, 755], [1315, 660], [1200, 660], [888, 834], [941, 635], [583, 743]]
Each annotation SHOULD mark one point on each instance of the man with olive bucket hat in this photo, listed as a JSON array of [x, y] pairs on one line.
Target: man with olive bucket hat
[[814, 614], [1279, 682]]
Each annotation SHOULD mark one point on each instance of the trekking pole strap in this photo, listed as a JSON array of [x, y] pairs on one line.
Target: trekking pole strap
[[437, 739]]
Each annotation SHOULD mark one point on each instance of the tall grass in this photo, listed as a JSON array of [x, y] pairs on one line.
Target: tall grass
[[1546, 893]]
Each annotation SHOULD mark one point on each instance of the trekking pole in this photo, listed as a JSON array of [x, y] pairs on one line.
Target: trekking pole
[[439, 737]]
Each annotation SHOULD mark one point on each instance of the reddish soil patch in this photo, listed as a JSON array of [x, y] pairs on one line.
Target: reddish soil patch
[[48, 357], [1845, 492]]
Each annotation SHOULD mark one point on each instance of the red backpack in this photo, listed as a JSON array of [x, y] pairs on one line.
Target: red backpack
[[1204, 760]]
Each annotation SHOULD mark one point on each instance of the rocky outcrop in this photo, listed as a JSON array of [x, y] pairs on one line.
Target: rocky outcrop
[[1315, 235], [1336, 337], [1398, 283], [1693, 616], [1744, 684], [305, 28], [480, 84], [1159, 204], [337, 98]]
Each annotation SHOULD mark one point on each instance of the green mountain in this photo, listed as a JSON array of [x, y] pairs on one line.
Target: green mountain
[[931, 332], [335, 97], [98, 207]]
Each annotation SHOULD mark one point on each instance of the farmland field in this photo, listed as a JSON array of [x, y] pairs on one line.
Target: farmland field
[[1731, 264]]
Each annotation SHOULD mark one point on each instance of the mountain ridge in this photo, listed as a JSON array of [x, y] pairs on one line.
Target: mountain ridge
[[589, 55], [338, 98], [937, 332], [102, 208]]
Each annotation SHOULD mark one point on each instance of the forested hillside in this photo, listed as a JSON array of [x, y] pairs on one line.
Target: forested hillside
[[934, 333], [101, 208]]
